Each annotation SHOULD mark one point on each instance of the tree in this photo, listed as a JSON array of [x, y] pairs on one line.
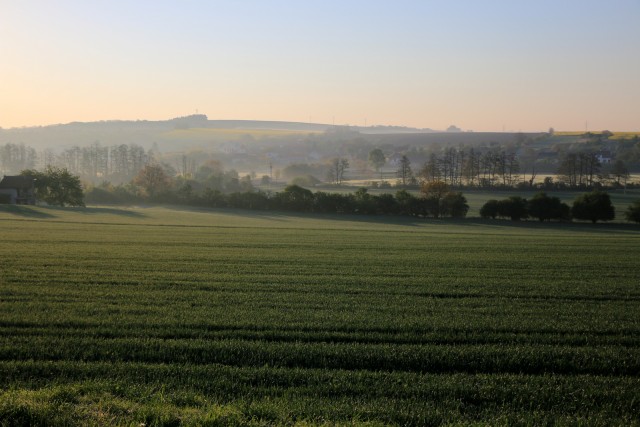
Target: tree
[[337, 169], [377, 160], [431, 169], [594, 206], [568, 170], [153, 179], [546, 208], [364, 202], [333, 202], [489, 209], [515, 207], [433, 192], [620, 171], [16, 157], [248, 200], [471, 167], [633, 212], [528, 161], [57, 186], [579, 169], [386, 203], [295, 198], [408, 204], [404, 171], [454, 204]]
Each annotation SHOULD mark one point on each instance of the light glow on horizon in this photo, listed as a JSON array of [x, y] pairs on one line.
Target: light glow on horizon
[[479, 65]]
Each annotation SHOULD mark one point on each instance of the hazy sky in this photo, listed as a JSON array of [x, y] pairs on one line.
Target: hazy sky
[[482, 65]]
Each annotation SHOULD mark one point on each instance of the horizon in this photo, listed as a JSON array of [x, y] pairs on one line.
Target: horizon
[[490, 67], [424, 129]]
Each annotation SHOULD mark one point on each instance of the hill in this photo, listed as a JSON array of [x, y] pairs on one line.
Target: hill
[[146, 132], [262, 147], [141, 132]]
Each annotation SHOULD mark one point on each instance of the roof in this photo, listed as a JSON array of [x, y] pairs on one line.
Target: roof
[[18, 181]]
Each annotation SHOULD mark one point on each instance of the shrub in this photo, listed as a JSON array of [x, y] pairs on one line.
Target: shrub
[[633, 212], [594, 206], [546, 208], [489, 209], [515, 207], [454, 204]]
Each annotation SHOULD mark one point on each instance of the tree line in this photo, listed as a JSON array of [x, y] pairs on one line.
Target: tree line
[[456, 167], [584, 170], [120, 162], [461, 167], [153, 185], [489, 167], [57, 186], [593, 206], [91, 163], [16, 157]]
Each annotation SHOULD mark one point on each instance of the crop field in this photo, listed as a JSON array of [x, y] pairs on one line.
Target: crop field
[[159, 316], [616, 135]]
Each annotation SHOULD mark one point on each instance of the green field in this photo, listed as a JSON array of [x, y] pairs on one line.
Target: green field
[[616, 135], [161, 316]]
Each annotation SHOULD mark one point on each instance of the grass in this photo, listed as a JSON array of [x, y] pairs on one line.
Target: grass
[[165, 316]]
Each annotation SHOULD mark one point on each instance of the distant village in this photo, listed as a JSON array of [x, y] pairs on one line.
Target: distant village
[[196, 149]]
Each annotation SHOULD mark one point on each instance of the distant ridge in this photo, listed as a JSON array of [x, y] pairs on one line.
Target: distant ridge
[[170, 134], [202, 121]]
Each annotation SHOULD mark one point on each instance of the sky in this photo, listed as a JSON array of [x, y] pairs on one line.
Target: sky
[[480, 65]]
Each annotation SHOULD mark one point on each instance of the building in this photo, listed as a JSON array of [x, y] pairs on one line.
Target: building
[[604, 157], [18, 190]]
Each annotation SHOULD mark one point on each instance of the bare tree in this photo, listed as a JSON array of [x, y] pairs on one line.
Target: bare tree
[[578, 169], [620, 171], [377, 160], [404, 171], [337, 169], [153, 179]]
